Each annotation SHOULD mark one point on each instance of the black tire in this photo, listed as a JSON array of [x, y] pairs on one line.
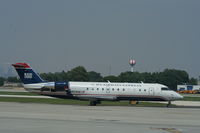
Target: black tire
[[93, 103]]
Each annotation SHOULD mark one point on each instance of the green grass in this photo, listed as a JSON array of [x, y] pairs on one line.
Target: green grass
[[191, 99], [40, 100], [76, 102], [17, 93]]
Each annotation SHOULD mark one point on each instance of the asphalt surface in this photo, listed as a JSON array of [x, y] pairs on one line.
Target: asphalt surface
[[46, 118]]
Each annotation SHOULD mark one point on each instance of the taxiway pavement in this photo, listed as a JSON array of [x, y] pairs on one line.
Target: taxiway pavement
[[47, 118]]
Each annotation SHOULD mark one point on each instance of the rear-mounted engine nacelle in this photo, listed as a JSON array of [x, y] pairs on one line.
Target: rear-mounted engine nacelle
[[61, 86], [55, 86]]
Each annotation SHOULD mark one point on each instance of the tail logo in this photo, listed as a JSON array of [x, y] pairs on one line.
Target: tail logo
[[28, 75]]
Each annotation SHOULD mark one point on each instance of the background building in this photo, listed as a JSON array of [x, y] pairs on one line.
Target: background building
[[188, 88]]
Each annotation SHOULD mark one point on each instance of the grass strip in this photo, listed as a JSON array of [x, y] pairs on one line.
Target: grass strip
[[40, 100], [17, 93], [77, 102], [191, 99], [186, 98]]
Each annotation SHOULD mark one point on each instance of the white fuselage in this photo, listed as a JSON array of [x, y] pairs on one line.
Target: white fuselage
[[124, 91], [112, 91]]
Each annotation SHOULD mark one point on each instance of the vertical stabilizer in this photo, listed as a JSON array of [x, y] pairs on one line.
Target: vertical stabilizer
[[26, 73]]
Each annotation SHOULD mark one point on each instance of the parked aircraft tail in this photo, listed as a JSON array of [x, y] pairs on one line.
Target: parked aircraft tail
[[26, 73]]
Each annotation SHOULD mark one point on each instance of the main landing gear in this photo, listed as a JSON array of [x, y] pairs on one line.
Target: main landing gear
[[169, 103], [94, 103]]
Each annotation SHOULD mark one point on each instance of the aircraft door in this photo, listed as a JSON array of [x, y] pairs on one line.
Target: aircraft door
[[108, 88], [151, 91]]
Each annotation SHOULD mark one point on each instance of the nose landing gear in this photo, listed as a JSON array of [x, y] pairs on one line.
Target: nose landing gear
[[169, 103]]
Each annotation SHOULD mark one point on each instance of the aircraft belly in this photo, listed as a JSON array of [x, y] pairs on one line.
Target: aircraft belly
[[96, 97], [142, 98]]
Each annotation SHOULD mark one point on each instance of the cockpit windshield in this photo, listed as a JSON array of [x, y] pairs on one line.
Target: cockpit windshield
[[165, 89]]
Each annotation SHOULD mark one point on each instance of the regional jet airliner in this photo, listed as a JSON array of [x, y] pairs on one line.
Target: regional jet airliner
[[95, 92]]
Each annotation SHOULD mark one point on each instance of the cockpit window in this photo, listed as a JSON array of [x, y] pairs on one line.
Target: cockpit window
[[165, 89]]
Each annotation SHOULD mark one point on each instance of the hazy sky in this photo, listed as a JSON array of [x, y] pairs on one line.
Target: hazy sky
[[56, 35]]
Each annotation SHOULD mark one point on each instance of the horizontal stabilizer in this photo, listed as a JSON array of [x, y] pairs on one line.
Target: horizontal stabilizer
[[21, 65]]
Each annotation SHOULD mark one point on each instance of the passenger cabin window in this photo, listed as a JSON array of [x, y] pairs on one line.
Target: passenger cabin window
[[165, 89]]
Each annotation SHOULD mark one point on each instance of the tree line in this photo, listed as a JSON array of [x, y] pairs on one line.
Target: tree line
[[9, 79], [168, 77]]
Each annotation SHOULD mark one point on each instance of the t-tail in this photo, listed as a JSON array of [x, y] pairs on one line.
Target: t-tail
[[26, 73], [34, 83]]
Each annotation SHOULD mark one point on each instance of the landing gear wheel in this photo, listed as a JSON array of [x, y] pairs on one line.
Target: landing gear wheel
[[169, 103], [93, 103]]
